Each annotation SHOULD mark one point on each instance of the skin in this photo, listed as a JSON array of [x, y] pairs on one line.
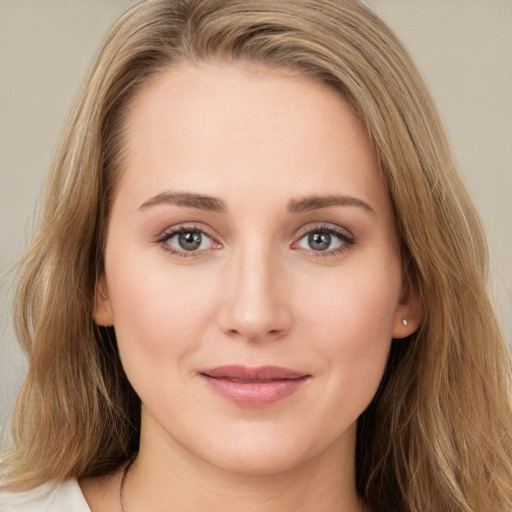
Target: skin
[[254, 293]]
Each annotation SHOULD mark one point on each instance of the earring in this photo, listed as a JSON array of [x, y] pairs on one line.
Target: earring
[[404, 322]]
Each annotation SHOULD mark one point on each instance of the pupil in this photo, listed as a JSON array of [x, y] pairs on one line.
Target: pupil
[[319, 241], [190, 240]]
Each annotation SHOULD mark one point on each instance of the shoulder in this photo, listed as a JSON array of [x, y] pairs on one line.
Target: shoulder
[[51, 497]]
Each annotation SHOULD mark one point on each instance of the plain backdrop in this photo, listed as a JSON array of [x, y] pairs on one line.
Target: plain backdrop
[[463, 47]]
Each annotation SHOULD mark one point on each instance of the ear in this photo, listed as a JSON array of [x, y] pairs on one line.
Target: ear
[[102, 308], [409, 311]]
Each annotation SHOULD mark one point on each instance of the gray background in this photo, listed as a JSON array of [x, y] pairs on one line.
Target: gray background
[[463, 47]]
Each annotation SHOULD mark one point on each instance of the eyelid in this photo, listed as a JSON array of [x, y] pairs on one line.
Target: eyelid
[[324, 226], [163, 236], [346, 237]]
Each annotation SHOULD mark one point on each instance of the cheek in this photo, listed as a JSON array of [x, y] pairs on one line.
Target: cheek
[[357, 302], [354, 341], [157, 311], [352, 326]]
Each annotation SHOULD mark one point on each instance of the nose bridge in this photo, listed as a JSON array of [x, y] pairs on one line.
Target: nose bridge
[[254, 305]]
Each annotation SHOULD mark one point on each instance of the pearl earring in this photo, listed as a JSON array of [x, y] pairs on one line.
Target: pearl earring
[[404, 322]]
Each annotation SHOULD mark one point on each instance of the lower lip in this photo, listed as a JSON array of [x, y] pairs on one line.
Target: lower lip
[[254, 394]]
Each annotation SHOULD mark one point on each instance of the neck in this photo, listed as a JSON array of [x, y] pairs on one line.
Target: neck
[[175, 479]]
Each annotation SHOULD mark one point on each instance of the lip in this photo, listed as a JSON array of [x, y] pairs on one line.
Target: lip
[[253, 387]]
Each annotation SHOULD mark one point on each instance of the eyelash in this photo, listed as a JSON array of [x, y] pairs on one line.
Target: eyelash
[[169, 233], [346, 240]]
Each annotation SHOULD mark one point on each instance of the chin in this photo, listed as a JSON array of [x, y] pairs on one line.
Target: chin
[[260, 460], [261, 452]]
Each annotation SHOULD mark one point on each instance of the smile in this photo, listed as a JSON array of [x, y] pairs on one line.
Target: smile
[[253, 387]]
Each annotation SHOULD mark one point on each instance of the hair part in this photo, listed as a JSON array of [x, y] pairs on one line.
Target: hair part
[[438, 434]]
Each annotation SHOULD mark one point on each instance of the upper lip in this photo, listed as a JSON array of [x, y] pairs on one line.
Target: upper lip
[[255, 374]]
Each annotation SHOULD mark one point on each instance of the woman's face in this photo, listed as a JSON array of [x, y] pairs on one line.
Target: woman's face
[[251, 268]]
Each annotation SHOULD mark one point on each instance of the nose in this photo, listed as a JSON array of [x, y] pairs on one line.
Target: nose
[[255, 298]]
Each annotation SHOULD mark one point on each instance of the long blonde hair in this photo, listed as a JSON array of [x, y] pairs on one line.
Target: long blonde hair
[[438, 434]]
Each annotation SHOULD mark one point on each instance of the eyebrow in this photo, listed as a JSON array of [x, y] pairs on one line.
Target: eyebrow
[[209, 203], [317, 202], [198, 201]]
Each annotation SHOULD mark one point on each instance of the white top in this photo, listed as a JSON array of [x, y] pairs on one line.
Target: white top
[[50, 497]]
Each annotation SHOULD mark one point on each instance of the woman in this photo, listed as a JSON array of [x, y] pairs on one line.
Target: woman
[[246, 291]]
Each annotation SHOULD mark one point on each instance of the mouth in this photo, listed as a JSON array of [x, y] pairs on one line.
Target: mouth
[[253, 387]]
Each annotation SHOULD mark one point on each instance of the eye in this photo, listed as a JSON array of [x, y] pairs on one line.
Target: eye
[[325, 240], [189, 240], [319, 241], [186, 241]]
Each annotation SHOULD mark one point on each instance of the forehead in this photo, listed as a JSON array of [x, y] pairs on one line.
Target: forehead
[[211, 126]]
